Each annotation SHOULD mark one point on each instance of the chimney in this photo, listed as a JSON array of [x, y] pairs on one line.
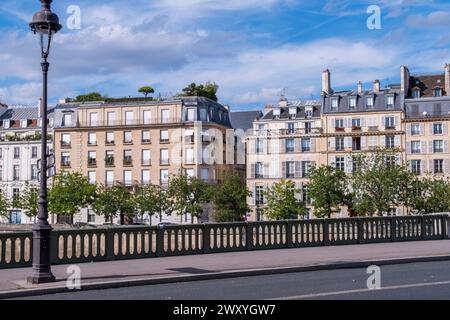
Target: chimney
[[326, 82], [360, 88], [447, 79], [404, 77], [376, 86], [283, 102]]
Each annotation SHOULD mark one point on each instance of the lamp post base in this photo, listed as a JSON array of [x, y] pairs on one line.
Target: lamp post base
[[41, 278], [41, 255]]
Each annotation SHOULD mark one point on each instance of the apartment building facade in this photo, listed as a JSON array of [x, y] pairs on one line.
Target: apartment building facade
[[20, 149], [138, 143], [427, 120], [284, 144]]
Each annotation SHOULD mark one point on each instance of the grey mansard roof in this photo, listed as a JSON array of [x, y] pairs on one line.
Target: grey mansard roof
[[28, 113], [244, 119], [300, 105], [424, 108]]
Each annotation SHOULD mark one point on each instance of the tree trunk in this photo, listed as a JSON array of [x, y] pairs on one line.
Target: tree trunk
[[122, 219]]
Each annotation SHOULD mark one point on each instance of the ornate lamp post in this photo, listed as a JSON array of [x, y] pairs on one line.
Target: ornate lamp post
[[45, 23]]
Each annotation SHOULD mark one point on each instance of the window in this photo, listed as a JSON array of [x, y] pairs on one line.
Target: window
[[127, 178], [92, 176], [127, 137], [111, 116], [356, 124], [164, 156], [16, 194], [438, 128], [306, 144], [65, 140], [165, 116], [334, 104], [389, 122], [291, 128], [146, 161], [389, 102], [306, 168], [290, 169], [1, 173], [259, 170], [34, 172], [145, 177], [293, 111], [416, 93], [203, 114], [65, 159], [259, 145], [415, 129], [356, 143], [308, 127], [352, 103], [340, 145], [164, 136], [190, 156], [369, 102], [438, 92], [164, 176], [190, 173], [438, 166], [309, 112], [91, 216], [16, 172], [92, 139], [415, 146], [1, 153], [109, 158], [23, 124], [190, 116], [93, 119], [129, 117], [390, 160], [416, 166], [290, 145], [339, 124], [340, 163], [92, 158], [259, 195], [67, 120], [109, 178], [438, 146], [6, 124], [145, 136], [110, 138], [204, 174], [305, 195], [390, 142], [127, 158], [16, 152]]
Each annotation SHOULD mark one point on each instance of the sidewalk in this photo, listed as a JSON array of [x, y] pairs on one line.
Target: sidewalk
[[213, 266]]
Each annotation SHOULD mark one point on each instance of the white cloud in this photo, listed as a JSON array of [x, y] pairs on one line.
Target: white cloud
[[437, 18]]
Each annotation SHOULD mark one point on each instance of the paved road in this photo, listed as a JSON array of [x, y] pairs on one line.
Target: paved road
[[430, 280]]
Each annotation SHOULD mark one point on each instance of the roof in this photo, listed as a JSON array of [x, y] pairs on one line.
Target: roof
[[300, 105], [424, 108], [24, 113], [244, 119], [427, 84]]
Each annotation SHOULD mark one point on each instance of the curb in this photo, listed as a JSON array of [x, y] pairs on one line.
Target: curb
[[218, 275]]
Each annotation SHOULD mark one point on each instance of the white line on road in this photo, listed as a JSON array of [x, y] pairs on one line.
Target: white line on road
[[336, 293]]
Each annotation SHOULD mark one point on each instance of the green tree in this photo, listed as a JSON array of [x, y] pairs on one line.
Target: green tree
[[432, 195], [377, 184], [230, 199], [115, 200], [4, 205], [208, 90], [151, 200], [188, 195], [28, 201], [146, 90], [70, 193], [282, 202], [328, 190], [92, 96]]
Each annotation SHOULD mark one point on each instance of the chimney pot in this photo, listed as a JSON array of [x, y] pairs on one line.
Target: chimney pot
[[360, 87], [326, 81], [376, 86]]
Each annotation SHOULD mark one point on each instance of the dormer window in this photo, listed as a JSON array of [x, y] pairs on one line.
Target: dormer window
[[23, 124], [6, 124], [292, 111], [276, 112], [438, 92], [369, 102], [352, 103], [309, 112], [416, 93], [334, 104], [390, 101]]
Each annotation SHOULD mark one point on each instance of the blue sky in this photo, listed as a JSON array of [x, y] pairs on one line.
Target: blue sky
[[254, 49]]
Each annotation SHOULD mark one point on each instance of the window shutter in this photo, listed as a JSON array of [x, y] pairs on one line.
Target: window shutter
[[282, 146], [298, 145], [446, 146], [383, 121], [253, 171], [298, 169], [313, 145], [396, 120], [283, 170], [409, 147], [430, 127], [347, 142], [253, 198], [267, 170], [447, 166], [423, 166], [398, 141], [431, 166], [422, 129], [445, 128], [430, 147], [381, 141], [363, 122], [332, 144], [408, 129], [363, 142], [423, 147], [348, 164]]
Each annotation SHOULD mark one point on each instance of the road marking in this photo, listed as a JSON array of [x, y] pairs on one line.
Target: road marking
[[336, 293]]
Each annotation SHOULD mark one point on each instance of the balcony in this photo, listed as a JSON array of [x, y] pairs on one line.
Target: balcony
[[65, 145], [65, 164], [92, 162], [164, 141], [356, 128], [128, 161], [92, 143], [373, 128], [390, 128], [109, 161], [146, 141], [339, 129], [110, 142], [122, 123], [189, 139]]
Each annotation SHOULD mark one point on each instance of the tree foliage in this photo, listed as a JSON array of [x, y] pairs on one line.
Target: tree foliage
[[208, 90], [328, 190], [431, 195], [282, 202], [146, 90], [230, 199], [109, 202], [28, 200], [92, 96], [70, 193], [4, 204], [151, 200]]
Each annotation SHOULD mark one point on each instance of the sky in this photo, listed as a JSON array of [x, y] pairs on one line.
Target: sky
[[255, 50]]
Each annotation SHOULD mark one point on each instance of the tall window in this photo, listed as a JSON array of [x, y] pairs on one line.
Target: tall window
[[415, 129], [109, 178], [356, 123], [164, 156], [352, 103], [93, 119], [16, 172], [369, 102], [92, 158], [306, 169], [415, 146], [390, 142], [308, 127], [416, 166], [127, 157], [127, 178], [259, 145], [204, 174], [111, 118], [147, 115], [92, 139], [259, 195], [340, 145], [259, 170], [110, 138], [340, 163], [65, 159], [109, 158], [165, 116], [438, 146], [190, 116], [65, 140], [438, 92], [290, 169], [145, 177], [334, 104], [291, 128], [164, 136], [92, 176], [127, 137], [146, 161], [129, 117], [439, 166], [190, 156], [389, 122], [290, 145], [306, 144], [16, 152], [67, 120], [164, 176], [339, 124], [437, 128], [389, 102], [145, 136]]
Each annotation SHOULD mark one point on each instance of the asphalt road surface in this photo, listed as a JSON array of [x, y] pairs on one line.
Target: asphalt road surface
[[430, 280]]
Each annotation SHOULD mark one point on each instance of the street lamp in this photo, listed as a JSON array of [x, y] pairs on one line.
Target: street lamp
[[45, 23]]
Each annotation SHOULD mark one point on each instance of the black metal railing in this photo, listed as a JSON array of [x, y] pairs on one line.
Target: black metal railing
[[107, 244]]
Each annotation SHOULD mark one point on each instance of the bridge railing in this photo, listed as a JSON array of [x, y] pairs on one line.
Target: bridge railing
[[108, 244]]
